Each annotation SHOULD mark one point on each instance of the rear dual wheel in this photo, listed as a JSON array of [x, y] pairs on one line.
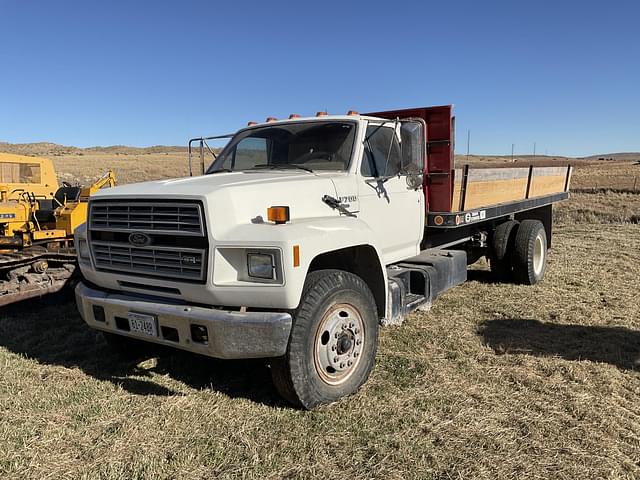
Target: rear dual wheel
[[518, 252], [501, 250], [529, 258]]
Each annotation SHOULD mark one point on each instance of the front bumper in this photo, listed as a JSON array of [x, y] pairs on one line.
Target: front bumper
[[231, 334]]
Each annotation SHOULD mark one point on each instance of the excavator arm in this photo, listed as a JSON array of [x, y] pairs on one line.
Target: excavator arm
[[107, 180]]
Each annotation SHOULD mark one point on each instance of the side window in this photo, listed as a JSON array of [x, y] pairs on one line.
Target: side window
[[20, 173], [380, 143], [29, 173], [413, 143], [10, 172], [250, 152]]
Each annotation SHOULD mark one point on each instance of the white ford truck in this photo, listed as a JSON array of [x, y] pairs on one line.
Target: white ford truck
[[302, 237]]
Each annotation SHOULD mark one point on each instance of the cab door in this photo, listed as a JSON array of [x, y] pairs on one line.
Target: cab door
[[390, 186]]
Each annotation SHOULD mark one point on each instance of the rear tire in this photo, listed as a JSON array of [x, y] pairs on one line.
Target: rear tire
[[502, 245], [333, 340], [530, 253]]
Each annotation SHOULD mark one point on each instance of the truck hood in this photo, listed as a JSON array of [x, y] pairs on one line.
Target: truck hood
[[237, 198]]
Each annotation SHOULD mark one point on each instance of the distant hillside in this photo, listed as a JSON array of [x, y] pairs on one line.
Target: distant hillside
[[47, 149], [622, 156]]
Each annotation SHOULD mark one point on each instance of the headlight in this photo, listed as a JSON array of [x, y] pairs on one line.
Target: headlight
[[83, 250], [261, 265]]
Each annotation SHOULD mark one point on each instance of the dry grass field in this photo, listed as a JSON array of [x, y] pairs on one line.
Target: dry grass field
[[496, 381]]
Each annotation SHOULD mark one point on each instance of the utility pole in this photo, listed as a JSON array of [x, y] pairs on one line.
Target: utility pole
[[468, 141], [534, 150], [512, 147]]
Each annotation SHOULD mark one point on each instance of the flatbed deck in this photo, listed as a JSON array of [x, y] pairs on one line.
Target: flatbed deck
[[447, 220], [485, 194]]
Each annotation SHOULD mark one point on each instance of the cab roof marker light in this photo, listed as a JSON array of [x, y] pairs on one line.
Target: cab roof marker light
[[251, 123], [352, 113], [321, 114], [271, 119], [294, 115]]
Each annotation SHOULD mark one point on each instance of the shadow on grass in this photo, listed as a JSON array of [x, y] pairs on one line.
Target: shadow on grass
[[617, 346], [482, 276], [51, 331]]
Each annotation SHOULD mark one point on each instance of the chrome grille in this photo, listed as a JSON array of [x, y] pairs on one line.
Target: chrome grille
[[183, 263], [185, 218], [177, 246]]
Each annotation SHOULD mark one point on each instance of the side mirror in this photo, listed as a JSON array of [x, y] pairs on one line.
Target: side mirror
[[415, 181]]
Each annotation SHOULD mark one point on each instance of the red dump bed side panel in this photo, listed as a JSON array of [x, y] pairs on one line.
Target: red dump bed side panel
[[438, 170]]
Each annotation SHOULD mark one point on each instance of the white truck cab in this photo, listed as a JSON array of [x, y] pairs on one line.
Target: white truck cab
[[300, 238]]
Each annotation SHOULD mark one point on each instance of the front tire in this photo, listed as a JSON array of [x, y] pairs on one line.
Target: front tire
[[333, 340]]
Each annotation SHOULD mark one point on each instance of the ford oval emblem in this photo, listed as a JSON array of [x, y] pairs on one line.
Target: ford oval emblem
[[139, 239]]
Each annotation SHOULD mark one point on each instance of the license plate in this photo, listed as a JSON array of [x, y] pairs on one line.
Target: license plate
[[141, 323]]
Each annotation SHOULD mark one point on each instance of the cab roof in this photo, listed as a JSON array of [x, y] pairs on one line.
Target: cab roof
[[315, 118]]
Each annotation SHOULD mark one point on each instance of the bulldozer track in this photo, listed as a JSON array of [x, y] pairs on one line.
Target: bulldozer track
[[18, 282]]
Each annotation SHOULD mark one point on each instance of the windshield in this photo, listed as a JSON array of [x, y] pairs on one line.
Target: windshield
[[310, 146]]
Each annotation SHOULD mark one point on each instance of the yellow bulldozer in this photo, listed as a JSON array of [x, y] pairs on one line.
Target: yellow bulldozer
[[37, 220]]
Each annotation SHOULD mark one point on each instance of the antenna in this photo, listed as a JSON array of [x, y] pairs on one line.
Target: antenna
[[512, 147]]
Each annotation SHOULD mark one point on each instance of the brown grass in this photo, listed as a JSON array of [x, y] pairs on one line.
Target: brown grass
[[496, 381], [128, 168]]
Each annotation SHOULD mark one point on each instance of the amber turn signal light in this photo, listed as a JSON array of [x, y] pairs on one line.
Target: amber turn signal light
[[296, 255], [278, 214]]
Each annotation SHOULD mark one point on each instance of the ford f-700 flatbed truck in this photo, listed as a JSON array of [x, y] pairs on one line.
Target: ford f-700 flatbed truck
[[302, 237]]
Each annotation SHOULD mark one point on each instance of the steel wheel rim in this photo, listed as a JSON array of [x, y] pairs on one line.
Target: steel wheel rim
[[538, 255], [338, 343]]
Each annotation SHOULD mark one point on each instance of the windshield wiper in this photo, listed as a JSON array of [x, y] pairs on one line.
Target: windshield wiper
[[283, 166], [218, 170]]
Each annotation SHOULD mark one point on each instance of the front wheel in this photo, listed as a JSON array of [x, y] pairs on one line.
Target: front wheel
[[333, 340]]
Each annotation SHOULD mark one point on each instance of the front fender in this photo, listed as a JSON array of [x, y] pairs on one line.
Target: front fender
[[312, 237]]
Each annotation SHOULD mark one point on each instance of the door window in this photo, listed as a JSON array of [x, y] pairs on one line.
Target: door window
[[382, 154]]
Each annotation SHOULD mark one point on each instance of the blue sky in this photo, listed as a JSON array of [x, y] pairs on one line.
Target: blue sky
[[563, 74]]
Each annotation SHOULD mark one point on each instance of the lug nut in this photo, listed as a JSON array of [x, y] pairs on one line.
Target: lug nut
[[356, 331], [335, 359], [333, 348], [342, 365], [337, 335], [351, 325], [355, 354], [358, 342], [349, 363]]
